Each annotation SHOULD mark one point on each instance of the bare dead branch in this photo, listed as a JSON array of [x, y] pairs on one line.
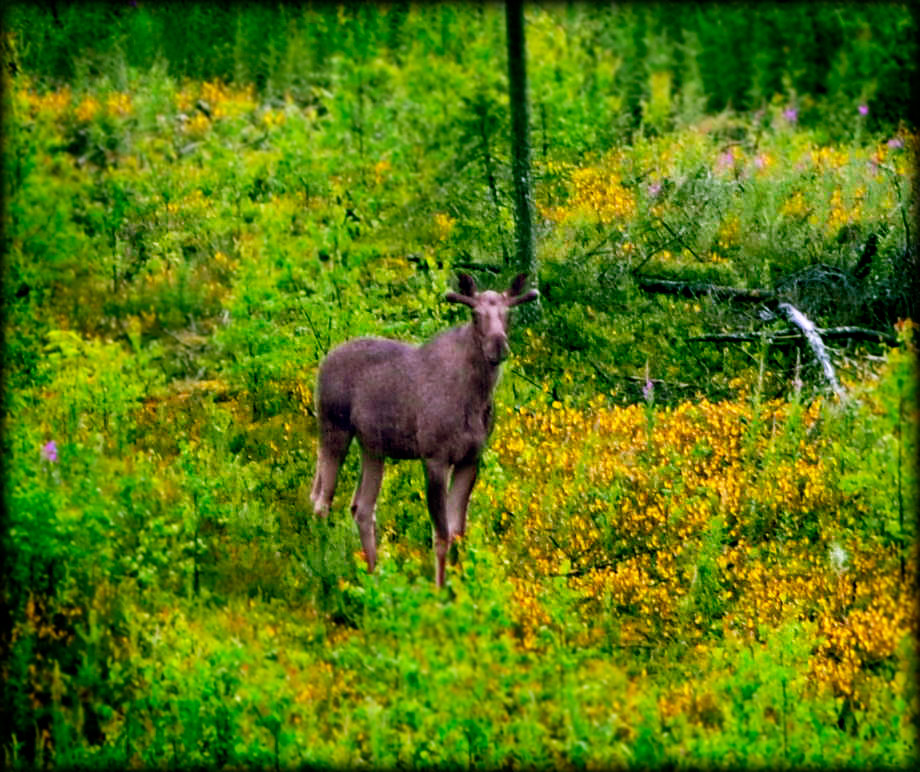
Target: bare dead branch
[[691, 289], [792, 335], [810, 332], [470, 265]]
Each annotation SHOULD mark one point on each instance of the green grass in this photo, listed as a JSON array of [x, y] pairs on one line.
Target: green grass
[[717, 570]]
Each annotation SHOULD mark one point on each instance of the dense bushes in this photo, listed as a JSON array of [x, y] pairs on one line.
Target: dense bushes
[[594, 71], [678, 553]]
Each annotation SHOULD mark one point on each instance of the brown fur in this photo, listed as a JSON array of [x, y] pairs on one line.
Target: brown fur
[[432, 402]]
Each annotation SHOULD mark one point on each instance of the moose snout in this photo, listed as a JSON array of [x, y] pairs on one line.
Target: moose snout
[[497, 349]]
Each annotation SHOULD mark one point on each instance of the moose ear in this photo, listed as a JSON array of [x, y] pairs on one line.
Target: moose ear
[[525, 298], [467, 285], [517, 285]]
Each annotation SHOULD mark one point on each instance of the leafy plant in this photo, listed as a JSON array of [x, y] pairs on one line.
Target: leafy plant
[[678, 552]]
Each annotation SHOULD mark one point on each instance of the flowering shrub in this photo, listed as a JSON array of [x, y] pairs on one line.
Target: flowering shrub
[[672, 555], [597, 196], [707, 517]]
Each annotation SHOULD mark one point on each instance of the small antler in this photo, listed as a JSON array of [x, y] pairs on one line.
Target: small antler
[[525, 298], [456, 297]]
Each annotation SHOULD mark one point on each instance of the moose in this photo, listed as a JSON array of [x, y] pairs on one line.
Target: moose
[[431, 402]]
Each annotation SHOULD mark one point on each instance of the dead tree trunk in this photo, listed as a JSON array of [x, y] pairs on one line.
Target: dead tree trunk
[[520, 139]]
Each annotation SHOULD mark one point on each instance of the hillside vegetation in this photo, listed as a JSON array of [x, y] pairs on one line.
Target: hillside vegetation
[[680, 552]]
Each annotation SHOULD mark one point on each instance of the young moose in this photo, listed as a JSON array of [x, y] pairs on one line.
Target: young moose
[[432, 402]]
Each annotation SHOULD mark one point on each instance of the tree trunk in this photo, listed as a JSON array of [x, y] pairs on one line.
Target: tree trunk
[[520, 140]]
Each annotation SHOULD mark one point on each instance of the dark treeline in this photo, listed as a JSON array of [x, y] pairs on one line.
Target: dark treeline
[[828, 57]]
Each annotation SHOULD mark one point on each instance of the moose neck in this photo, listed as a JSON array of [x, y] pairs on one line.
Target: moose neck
[[483, 373]]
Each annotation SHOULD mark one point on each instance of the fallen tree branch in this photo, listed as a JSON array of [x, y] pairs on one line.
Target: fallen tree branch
[[791, 335], [782, 336], [467, 265], [691, 289], [810, 332], [470, 265]]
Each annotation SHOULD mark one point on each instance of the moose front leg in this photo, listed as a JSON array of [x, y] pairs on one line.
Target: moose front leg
[[436, 473], [458, 499]]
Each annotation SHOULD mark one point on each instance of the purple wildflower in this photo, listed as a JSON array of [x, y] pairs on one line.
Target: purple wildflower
[[725, 160], [654, 189], [648, 391], [791, 114], [863, 109], [895, 143], [49, 451], [759, 161]]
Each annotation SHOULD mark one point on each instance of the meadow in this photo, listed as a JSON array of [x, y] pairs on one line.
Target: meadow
[[679, 553]]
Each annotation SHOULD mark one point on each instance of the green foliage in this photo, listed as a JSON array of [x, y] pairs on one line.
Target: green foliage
[[588, 64], [675, 556]]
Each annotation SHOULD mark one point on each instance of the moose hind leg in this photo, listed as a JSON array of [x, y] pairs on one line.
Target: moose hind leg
[[333, 445], [436, 474], [363, 503]]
